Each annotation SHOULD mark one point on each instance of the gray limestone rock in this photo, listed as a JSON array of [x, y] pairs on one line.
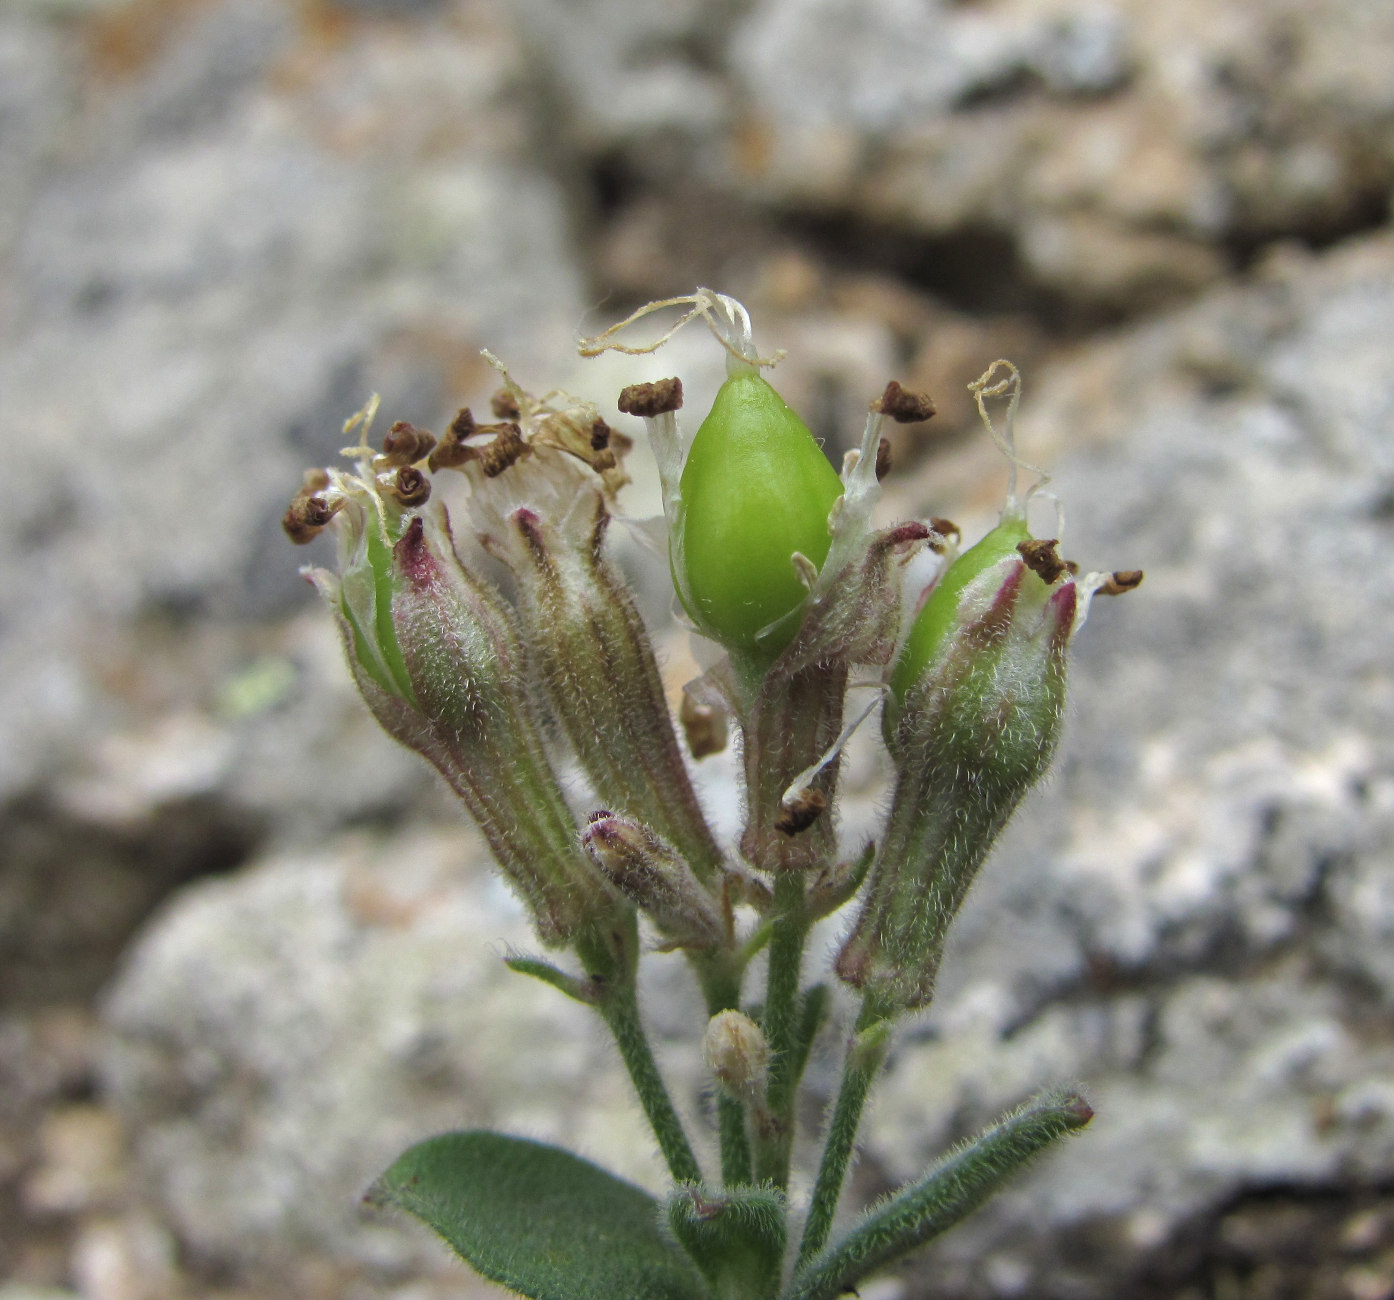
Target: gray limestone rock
[[279, 1037], [1121, 153], [218, 261]]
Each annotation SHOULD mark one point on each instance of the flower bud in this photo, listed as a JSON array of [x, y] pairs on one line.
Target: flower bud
[[737, 1054], [755, 489], [651, 875], [981, 687]]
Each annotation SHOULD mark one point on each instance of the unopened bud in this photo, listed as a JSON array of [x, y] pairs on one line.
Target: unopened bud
[[737, 1054], [652, 875]]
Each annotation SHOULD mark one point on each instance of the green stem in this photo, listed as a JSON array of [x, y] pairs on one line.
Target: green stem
[[865, 1054], [610, 957], [789, 930], [719, 974], [621, 1012], [736, 1169]]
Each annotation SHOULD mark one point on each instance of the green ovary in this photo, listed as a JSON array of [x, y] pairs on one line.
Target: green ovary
[[940, 614], [756, 488]]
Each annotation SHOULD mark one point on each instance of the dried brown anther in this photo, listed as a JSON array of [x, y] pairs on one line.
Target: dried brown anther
[[452, 451], [903, 406], [410, 487], [451, 455], [661, 396], [945, 527], [306, 517], [600, 435], [704, 727], [405, 444], [1121, 581], [883, 458], [507, 448], [504, 405], [801, 812], [1042, 558], [463, 425]]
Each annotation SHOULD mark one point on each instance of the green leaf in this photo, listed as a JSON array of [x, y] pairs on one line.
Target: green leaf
[[951, 1190], [581, 989], [538, 1219]]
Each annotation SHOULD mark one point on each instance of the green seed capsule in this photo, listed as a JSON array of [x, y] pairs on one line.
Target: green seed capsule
[[940, 614], [756, 488]]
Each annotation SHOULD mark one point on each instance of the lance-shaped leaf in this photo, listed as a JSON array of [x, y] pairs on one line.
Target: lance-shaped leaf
[[951, 1190], [539, 1220]]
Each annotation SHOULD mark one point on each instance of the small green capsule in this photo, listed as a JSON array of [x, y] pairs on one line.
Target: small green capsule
[[756, 488], [939, 616]]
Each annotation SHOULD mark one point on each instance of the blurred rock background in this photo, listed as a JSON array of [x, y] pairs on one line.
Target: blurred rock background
[[248, 949]]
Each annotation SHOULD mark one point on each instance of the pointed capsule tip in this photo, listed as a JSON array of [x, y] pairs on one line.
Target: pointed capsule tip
[[413, 556], [1079, 1110]]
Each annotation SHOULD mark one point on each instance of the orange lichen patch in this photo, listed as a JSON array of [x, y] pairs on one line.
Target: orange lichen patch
[[124, 41]]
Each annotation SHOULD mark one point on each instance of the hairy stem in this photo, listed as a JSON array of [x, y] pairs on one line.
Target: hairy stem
[[865, 1055], [610, 958], [719, 974], [774, 1139]]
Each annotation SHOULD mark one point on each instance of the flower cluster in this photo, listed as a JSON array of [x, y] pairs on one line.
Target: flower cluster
[[509, 645]]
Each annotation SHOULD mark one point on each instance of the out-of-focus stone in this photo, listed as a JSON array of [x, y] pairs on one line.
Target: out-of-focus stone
[[236, 224], [131, 1258], [280, 1036], [19, 1291], [1127, 151], [81, 1161]]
